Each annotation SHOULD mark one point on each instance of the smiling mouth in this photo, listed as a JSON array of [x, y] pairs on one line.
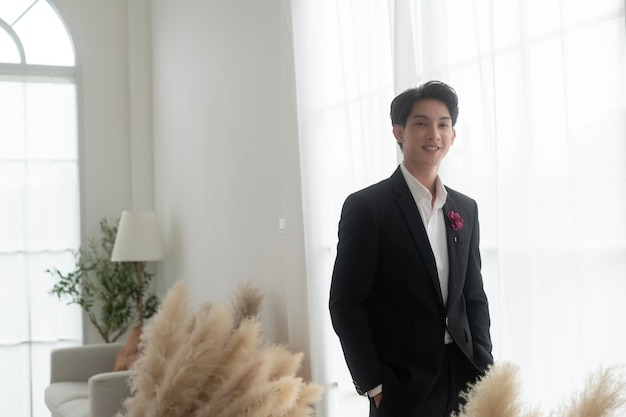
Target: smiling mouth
[[431, 148]]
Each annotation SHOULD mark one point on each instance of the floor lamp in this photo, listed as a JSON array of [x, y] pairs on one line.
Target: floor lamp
[[138, 240]]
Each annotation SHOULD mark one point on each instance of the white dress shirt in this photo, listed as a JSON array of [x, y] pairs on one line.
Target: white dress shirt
[[434, 223]]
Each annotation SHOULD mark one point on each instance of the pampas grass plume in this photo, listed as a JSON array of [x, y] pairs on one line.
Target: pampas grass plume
[[159, 342], [495, 394], [603, 394], [215, 363], [242, 343], [194, 361], [284, 362], [245, 390], [247, 376], [310, 394], [246, 302]]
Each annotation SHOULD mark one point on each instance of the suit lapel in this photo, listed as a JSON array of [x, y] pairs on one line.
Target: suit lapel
[[411, 215], [455, 277]]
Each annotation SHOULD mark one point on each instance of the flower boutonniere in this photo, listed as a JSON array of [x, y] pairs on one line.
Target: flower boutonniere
[[456, 221]]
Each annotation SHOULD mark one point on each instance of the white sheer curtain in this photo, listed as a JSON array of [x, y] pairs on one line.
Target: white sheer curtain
[[541, 146], [345, 84]]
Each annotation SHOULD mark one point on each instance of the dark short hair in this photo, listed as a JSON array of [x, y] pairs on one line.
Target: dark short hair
[[402, 105]]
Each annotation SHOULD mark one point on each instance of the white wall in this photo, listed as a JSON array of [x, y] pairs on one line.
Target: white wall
[[189, 107], [226, 155]]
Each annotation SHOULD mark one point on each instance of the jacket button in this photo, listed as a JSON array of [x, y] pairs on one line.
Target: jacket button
[[358, 389], [447, 321]]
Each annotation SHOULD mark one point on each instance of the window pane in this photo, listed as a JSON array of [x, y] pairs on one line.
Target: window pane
[[50, 117], [40, 376], [44, 37], [51, 319], [11, 10], [12, 181], [53, 186], [24, 191], [15, 380], [12, 302], [51, 121], [8, 50], [12, 126]]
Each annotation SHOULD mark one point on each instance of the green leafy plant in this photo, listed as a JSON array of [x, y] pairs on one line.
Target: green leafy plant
[[107, 291]]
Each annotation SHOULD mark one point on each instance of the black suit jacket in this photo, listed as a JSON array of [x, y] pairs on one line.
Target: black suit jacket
[[385, 298]]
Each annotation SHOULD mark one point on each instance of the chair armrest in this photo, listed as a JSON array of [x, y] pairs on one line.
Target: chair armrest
[[107, 392], [79, 363]]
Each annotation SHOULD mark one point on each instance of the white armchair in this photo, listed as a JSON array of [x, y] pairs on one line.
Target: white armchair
[[82, 384]]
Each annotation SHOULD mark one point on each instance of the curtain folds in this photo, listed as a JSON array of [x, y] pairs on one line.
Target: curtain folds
[[541, 145], [344, 82]]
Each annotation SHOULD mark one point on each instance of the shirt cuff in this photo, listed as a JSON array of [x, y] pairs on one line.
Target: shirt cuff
[[375, 391]]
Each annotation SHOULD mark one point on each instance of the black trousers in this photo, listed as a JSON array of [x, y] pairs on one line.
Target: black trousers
[[444, 398]]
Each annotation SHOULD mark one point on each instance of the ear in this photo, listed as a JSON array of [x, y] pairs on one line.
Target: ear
[[398, 133], [453, 136]]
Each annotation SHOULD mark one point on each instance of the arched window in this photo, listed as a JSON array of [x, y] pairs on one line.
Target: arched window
[[39, 197]]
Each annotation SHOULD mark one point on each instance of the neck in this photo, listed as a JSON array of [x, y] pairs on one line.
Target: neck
[[426, 176]]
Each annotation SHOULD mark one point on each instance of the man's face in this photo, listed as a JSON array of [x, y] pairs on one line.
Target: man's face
[[427, 136]]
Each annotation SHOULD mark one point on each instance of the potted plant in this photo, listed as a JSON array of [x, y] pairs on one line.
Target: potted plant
[[107, 291]]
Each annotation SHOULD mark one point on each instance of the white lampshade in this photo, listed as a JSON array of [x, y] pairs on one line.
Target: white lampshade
[[138, 238]]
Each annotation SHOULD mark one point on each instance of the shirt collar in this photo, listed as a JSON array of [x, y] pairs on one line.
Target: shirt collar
[[420, 192]]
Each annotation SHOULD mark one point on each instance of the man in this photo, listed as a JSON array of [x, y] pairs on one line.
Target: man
[[406, 297]]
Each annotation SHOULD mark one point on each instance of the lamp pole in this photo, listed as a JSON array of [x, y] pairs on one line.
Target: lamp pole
[[139, 265]]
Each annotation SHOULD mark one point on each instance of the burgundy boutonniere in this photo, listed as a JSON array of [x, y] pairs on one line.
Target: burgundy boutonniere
[[456, 221]]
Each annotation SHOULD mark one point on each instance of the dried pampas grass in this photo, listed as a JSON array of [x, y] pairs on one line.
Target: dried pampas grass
[[604, 395], [159, 343], [497, 394], [215, 363], [246, 302]]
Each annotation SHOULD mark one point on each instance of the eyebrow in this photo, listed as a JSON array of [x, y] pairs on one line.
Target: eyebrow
[[423, 116]]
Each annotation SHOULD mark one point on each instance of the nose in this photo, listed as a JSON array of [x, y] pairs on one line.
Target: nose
[[433, 134]]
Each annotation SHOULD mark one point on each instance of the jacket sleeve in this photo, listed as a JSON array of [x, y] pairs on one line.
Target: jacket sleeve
[[352, 282], [476, 299]]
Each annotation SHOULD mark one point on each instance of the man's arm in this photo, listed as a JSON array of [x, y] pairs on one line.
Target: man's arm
[[475, 297], [352, 282]]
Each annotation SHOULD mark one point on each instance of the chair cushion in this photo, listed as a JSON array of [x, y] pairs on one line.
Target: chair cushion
[[75, 408], [68, 398]]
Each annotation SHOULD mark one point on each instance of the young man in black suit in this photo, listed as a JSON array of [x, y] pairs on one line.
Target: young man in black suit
[[407, 298]]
